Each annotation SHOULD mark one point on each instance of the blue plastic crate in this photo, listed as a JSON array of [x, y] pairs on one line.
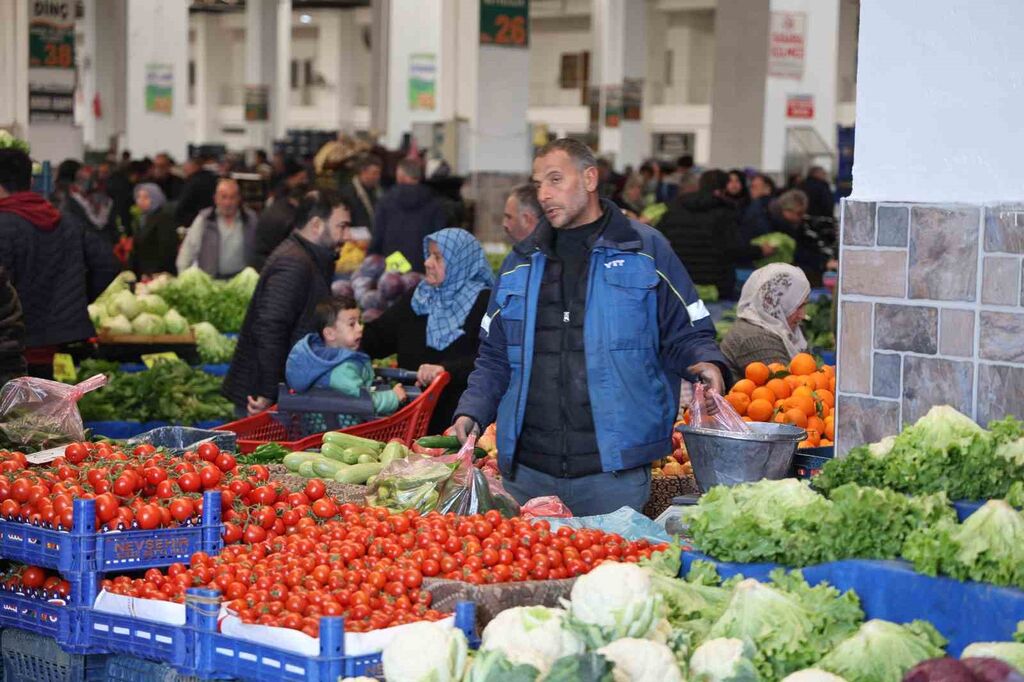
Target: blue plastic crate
[[809, 461], [31, 611], [163, 642], [130, 669], [29, 657], [964, 612], [82, 549]]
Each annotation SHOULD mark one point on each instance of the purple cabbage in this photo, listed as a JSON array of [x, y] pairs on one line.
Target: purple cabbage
[[391, 286], [343, 287], [411, 280], [371, 300], [371, 315], [361, 285], [372, 266]]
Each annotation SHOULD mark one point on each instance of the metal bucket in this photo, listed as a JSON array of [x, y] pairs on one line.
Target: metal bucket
[[727, 458]]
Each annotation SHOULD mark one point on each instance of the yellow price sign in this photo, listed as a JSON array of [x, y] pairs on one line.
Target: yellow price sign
[[64, 368], [398, 263], [150, 359]]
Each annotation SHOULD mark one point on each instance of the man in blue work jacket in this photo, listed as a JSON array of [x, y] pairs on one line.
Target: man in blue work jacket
[[591, 326]]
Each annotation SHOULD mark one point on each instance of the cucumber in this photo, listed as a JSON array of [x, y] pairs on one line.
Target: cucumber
[[306, 469], [326, 468], [358, 473], [392, 451], [346, 440], [293, 460], [447, 442], [332, 451], [366, 459]]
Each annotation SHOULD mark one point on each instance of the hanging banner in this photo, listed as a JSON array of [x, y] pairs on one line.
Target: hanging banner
[[505, 23], [257, 102], [632, 99], [51, 35], [612, 106], [160, 88], [799, 106], [787, 45], [422, 82]]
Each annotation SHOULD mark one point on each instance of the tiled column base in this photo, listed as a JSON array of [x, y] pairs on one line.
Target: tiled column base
[[930, 313]]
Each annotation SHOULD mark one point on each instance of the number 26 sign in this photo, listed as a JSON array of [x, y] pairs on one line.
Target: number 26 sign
[[505, 23]]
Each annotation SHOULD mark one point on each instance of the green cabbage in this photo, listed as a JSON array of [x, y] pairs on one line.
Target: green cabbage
[[174, 323], [200, 298], [1010, 652], [117, 325], [148, 324], [785, 248], [881, 651], [126, 304], [214, 347], [151, 303]]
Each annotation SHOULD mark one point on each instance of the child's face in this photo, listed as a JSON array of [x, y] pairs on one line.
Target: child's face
[[347, 331]]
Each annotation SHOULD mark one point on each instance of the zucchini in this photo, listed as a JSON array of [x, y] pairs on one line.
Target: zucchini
[[306, 469], [326, 468], [392, 451], [358, 473], [446, 442], [350, 456], [366, 459], [332, 451], [292, 460], [347, 440]]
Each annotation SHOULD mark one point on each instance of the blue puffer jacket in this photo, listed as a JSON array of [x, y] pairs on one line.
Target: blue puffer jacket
[[311, 362], [644, 326]]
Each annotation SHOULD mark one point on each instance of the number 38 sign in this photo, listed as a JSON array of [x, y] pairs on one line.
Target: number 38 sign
[[505, 23]]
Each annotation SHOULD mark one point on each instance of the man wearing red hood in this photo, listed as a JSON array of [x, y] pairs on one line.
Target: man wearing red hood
[[56, 265]]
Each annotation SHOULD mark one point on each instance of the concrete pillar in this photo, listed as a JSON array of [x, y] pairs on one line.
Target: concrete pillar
[[103, 71], [158, 49], [337, 33], [261, 57], [281, 90], [211, 53], [14, 67], [380, 27], [620, 53]]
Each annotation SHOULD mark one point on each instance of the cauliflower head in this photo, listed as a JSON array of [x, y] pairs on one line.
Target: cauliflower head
[[641, 660], [533, 635], [425, 652]]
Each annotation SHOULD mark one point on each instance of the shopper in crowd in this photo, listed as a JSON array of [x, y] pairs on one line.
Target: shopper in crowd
[[222, 239], [57, 265], [592, 322], [769, 314], [155, 245], [703, 228], [820, 200], [736, 190], [120, 187], [754, 221], [522, 212], [262, 166], [632, 199], [686, 176], [362, 191], [294, 279], [161, 172], [198, 190], [405, 215], [609, 183], [656, 188], [87, 200], [12, 331], [788, 214], [278, 218], [436, 328]]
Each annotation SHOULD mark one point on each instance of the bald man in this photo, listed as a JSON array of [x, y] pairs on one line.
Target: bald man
[[221, 238]]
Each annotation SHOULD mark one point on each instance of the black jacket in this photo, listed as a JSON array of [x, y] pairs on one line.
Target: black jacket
[[704, 232], [360, 216], [155, 245], [196, 194], [404, 216], [272, 228], [12, 332], [400, 330], [57, 274], [121, 191], [70, 206], [294, 279], [820, 200]]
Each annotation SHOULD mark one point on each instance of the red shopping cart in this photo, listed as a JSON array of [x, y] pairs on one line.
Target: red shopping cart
[[282, 423]]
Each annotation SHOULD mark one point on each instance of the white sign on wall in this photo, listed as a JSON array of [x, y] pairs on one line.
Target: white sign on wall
[[787, 45]]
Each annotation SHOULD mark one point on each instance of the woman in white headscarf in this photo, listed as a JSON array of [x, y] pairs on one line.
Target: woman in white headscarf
[[769, 314]]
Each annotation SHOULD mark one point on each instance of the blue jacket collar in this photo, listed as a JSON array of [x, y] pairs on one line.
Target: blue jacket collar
[[617, 233]]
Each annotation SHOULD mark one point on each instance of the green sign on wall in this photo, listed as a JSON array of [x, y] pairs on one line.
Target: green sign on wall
[[505, 23], [51, 35]]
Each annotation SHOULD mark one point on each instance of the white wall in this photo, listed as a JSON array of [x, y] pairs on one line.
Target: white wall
[[415, 28], [819, 81], [691, 38], [550, 38], [939, 102], [157, 33]]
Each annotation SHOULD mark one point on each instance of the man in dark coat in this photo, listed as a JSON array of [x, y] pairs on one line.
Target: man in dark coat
[[12, 331], [820, 200], [278, 219], [294, 279], [363, 191], [703, 229], [197, 192], [405, 215], [56, 264]]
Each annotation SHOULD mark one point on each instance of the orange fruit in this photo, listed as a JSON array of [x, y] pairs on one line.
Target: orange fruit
[[757, 372], [805, 404], [780, 418], [803, 390], [825, 442], [760, 410], [744, 386], [832, 384], [780, 388], [829, 427], [763, 393], [777, 367], [826, 398], [793, 380], [814, 437], [804, 444], [796, 417], [815, 423], [803, 364], [828, 370], [780, 404], [746, 418], [739, 402], [820, 380]]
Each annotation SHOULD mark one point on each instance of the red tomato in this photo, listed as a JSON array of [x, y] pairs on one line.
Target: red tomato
[[182, 509], [225, 462], [76, 453], [208, 452]]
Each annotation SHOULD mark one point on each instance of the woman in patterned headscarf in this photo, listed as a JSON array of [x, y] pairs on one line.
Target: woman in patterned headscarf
[[770, 310], [436, 327]]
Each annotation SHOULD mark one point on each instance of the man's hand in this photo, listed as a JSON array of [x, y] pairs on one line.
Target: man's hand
[[464, 427], [400, 393], [426, 374], [709, 374], [257, 404], [767, 250]]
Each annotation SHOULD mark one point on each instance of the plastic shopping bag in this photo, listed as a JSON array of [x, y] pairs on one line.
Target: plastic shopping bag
[[40, 414], [412, 483], [473, 491], [724, 417], [549, 506]]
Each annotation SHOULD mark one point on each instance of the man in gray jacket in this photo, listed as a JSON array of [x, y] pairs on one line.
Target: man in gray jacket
[[221, 239]]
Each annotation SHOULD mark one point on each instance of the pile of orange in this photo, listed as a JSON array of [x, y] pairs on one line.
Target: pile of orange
[[800, 394]]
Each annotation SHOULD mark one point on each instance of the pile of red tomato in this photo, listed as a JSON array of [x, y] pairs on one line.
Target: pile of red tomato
[[369, 566], [35, 580]]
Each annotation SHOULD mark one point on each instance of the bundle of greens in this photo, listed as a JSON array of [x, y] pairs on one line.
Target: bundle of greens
[[819, 325], [170, 391], [214, 348], [785, 248], [881, 651], [200, 298], [786, 522], [944, 451]]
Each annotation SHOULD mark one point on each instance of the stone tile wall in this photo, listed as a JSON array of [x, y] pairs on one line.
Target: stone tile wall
[[931, 311]]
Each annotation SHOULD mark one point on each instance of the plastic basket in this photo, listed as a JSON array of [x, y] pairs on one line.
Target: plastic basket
[[809, 461], [130, 669], [84, 550], [407, 424], [34, 658]]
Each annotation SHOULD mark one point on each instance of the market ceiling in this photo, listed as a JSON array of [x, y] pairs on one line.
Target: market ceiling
[[235, 5]]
